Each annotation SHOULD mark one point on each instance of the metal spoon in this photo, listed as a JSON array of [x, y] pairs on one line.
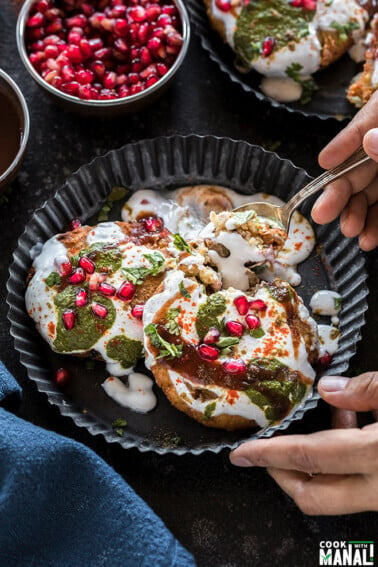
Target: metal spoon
[[282, 214]]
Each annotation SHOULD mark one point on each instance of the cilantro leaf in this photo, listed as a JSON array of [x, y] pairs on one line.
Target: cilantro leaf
[[184, 292], [344, 30], [209, 410], [308, 85], [137, 275], [338, 302], [257, 333], [172, 325], [53, 279], [180, 243], [166, 349], [119, 423]]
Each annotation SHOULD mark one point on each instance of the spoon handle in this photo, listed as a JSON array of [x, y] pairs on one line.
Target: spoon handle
[[357, 158]]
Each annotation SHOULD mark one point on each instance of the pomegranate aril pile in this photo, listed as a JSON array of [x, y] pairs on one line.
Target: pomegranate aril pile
[[103, 49]]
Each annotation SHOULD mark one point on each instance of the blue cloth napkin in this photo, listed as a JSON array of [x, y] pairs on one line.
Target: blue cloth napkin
[[62, 506]]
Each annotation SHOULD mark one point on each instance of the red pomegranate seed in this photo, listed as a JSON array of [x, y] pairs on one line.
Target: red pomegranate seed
[[268, 46], [107, 94], [99, 68], [74, 54], [234, 366], [145, 56], [133, 78], [212, 336], [258, 305], [68, 74], [309, 4], [81, 298], [326, 359], [76, 21], [42, 6], [152, 12], [110, 80], [164, 20], [61, 376], [87, 264], [63, 265], [241, 304], [85, 48], [106, 289], [84, 77], [121, 80], [69, 317], [153, 224], [151, 80], [162, 69], [51, 51], [123, 91], [87, 9], [137, 88], [126, 291], [74, 37], [37, 58], [148, 71], [75, 223], [252, 321], [296, 3], [143, 32], [121, 45], [96, 19], [99, 310], [137, 13], [36, 20], [121, 27], [235, 328], [136, 66], [96, 43], [137, 311], [55, 27], [174, 38], [71, 87], [119, 11], [103, 53], [154, 44], [77, 277], [208, 352]]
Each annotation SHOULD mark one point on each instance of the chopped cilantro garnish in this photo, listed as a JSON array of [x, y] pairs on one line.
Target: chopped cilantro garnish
[[180, 243], [226, 344], [137, 275], [243, 217], [209, 410], [103, 214], [338, 302], [172, 325], [257, 333], [184, 292], [53, 279], [120, 432], [344, 30], [308, 85], [166, 349], [120, 422], [116, 194]]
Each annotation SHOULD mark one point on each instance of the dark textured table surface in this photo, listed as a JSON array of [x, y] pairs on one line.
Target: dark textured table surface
[[223, 515]]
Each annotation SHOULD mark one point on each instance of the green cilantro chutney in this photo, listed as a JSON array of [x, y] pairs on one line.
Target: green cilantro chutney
[[107, 258], [209, 312], [269, 18], [88, 328], [124, 350]]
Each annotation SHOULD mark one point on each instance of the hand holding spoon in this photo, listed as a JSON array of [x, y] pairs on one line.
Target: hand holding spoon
[[282, 214]]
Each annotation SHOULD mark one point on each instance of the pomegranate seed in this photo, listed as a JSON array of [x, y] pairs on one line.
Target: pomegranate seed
[[85, 48], [126, 291], [268, 46], [77, 277], [123, 91], [93, 282], [258, 305], [99, 310], [296, 3], [137, 88], [212, 336], [309, 4], [241, 304], [52, 40], [61, 376], [107, 94], [110, 80], [42, 6], [51, 51], [76, 21], [38, 45], [148, 71], [208, 352], [137, 311], [145, 56], [121, 80], [153, 224], [133, 78], [326, 359], [137, 13], [55, 27], [74, 54], [96, 43], [36, 21], [68, 74], [106, 289], [143, 32], [152, 12], [234, 366], [120, 27], [75, 223], [57, 80], [252, 321], [87, 264], [164, 20], [235, 328], [63, 265], [103, 53], [121, 45], [162, 69], [96, 19], [174, 38], [99, 68], [170, 10], [87, 9], [151, 80], [84, 77], [159, 33], [154, 44], [119, 11], [136, 66], [52, 65], [81, 298], [37, 58], [74, 37], [69, 317]]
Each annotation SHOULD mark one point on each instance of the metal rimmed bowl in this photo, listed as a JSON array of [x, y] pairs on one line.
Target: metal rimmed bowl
[[104, 108], [9, 88]]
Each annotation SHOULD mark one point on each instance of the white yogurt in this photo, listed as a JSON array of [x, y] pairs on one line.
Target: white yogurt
[[326, 302], [138, 395], [328, 339], [282, 89]]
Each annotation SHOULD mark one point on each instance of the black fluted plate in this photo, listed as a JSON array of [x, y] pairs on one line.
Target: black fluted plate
[[328, 102], [159, 164]]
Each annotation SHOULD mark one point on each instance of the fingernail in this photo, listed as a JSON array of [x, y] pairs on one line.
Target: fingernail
[[371, 140], [333, 383], [241, 462]]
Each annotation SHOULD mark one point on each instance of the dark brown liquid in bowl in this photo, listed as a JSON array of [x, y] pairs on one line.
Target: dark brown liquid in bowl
[[10, 132]]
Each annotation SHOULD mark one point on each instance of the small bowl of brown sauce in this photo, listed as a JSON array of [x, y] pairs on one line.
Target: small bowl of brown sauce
[[14, 129]]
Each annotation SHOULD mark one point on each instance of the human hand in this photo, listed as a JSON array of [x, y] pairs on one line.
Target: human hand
[[344, 461], [355, 195]]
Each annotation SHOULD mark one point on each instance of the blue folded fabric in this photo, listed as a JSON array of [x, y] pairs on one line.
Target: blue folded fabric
[[62, 506]]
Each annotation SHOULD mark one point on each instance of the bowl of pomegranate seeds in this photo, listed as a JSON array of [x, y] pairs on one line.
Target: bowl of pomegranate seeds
[[103, 57]]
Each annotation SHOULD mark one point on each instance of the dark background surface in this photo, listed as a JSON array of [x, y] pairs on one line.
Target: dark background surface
[[223, 515]]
